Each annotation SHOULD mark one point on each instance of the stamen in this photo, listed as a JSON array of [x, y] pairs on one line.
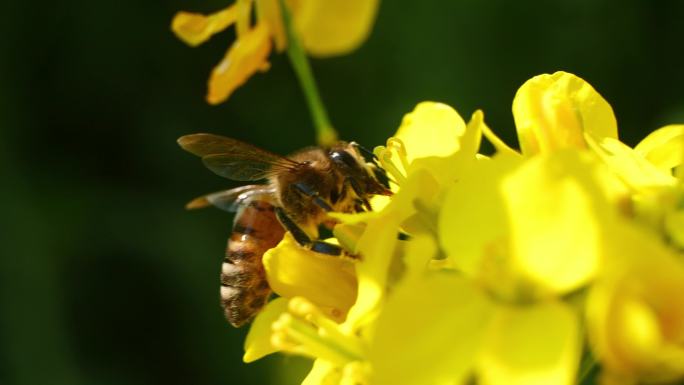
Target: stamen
[[385, 157], [348, 234], [326, 327], [305, 330], [498, 144], [388, 165], [398, 145]]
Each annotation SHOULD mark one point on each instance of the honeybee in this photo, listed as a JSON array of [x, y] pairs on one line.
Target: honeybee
[[300, 190]]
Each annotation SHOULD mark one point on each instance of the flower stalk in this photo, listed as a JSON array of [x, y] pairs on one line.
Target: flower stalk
[[325, 133]]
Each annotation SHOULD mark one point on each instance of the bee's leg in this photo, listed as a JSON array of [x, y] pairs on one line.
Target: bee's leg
[[324, 247], [354, 184], [303, 239], [299, 235], [313, 194]]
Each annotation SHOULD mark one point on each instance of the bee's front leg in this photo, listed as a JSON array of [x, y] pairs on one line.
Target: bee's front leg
[[313, 194], [303, 238], [362, 202]]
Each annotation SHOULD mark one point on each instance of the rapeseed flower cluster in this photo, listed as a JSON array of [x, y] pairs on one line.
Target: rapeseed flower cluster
[[530, 266], [324, 28]]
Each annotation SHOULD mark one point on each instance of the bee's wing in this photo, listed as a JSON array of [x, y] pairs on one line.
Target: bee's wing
[[234, 159], [231, 200]]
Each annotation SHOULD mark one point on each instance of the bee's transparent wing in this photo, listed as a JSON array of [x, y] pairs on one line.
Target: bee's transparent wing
[[231, 200], [233, 159]]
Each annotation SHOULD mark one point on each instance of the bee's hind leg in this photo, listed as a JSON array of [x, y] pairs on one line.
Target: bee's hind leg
[[303, 239]]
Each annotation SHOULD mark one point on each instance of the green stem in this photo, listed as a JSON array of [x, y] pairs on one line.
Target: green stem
[[325, 133]]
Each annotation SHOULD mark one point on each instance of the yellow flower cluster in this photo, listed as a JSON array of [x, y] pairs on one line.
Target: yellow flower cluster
[[326, 28], [518, 266]]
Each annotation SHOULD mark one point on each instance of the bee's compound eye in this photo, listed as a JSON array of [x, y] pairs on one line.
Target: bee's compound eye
[[343, 158]]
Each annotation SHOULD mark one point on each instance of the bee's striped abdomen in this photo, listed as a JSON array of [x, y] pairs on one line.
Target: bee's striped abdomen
[[244, 288]]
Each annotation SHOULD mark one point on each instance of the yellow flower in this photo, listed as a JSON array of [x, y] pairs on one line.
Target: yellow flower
[[501, 252], [532, 229], [326, 28], [314, 282], [513, 223], [635, 311], [653, 172], [529, 231]]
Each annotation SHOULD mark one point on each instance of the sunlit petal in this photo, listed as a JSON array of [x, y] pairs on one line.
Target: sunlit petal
[[557, 212], [629, 165], [377, 245], [430, 331], [532, 345], [472, 222], [258, 341], [553, 111], [327, 281], [664, 147], [635, 312], [431, 129]]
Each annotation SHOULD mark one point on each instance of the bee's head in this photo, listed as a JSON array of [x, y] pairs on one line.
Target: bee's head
[[366, 177]]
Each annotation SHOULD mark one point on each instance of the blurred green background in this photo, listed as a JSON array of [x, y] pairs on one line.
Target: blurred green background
[[105, 279]]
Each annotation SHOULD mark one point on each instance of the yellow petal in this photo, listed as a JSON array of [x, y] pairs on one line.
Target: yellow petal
[[246, 56], [674, 224], [557, 211], [378, 243], [512, 222], [377, 246], [196, 28], [244, 17], [448, 154], [269, 11], [553, 111], [664, 147], [348, 235], [418, 254], [472, 224], [629, 165], [322, 373], [430, 331], [327, 281], [333, 27], [635, 312], [534, 345], [258, 341], [431, 129]]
